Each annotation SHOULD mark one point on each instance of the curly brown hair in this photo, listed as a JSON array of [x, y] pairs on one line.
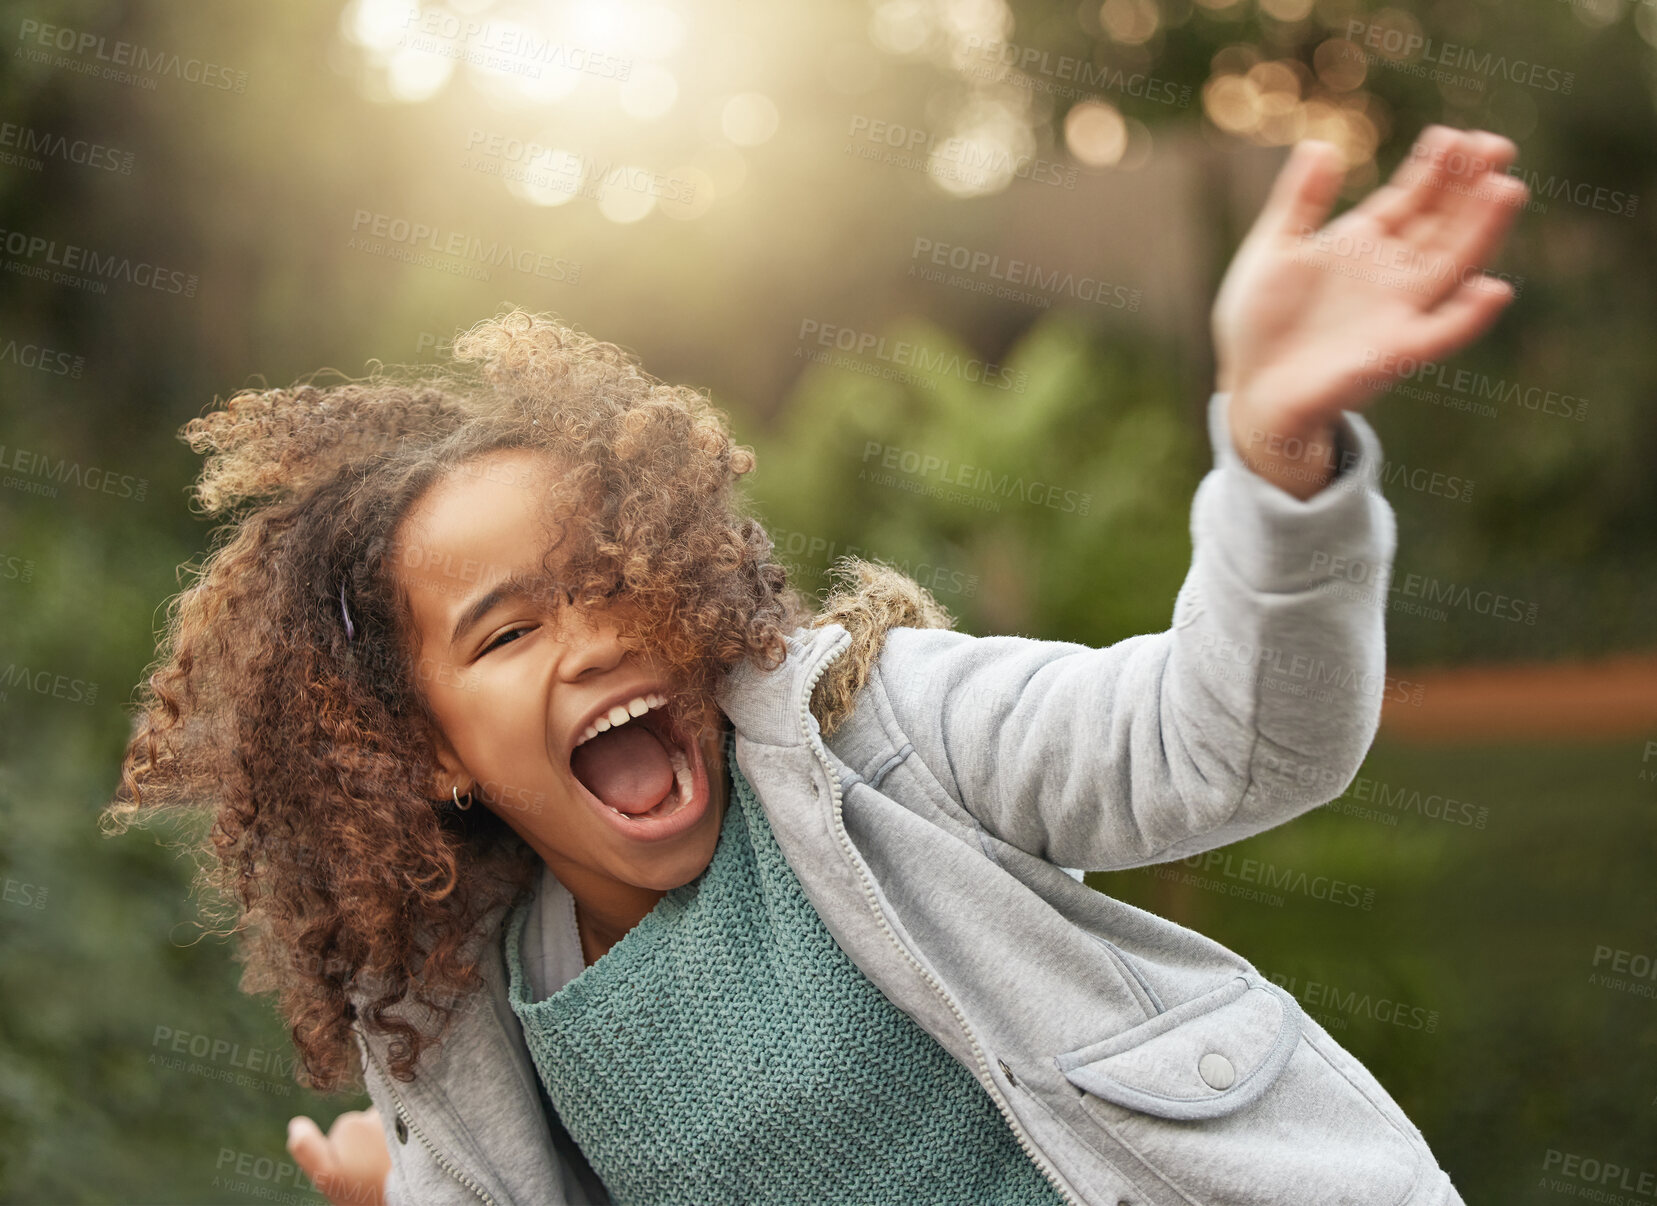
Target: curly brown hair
[[312, 753]]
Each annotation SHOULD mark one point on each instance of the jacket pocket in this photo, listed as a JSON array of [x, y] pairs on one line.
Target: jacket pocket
[[1223, 1097]]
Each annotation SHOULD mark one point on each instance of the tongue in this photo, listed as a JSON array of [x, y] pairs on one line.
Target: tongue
[[626, 767]]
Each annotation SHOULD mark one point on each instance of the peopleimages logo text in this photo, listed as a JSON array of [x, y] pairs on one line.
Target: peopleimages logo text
[[81, 43], [95, 264], [906, 353], [65, 472], [1416, 49], [418, 237], [1021, 273]]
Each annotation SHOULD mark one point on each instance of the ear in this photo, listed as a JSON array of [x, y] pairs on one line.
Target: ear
[[451, 772]]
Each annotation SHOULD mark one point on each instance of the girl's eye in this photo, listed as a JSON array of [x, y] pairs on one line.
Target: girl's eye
[[503, 639]]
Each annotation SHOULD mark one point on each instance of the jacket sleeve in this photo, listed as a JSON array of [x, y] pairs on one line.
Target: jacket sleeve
[[1256, 705]]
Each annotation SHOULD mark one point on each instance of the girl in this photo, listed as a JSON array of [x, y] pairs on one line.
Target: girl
[[550, 808]]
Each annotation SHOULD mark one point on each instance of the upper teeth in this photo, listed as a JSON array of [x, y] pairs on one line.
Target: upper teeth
[[621, 714]]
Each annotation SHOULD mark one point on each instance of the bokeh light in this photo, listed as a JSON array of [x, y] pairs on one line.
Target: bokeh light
[[414, 75], [1287, 10], [749, 118], [1096, 133], [901, 27], [1340, 64], [989, 143], [649, 93], [1130, 22], [622, 202]]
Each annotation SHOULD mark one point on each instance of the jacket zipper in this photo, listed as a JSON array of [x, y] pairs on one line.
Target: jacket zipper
[[443, 1161], [983, 1072]]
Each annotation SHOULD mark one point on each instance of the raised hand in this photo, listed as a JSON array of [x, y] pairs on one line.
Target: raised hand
[[1309, 317]]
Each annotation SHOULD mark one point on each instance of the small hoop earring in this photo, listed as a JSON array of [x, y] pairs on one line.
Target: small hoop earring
[[455, 792]]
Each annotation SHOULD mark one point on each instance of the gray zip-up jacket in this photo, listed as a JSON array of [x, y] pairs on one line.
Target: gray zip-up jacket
[[940, 832]]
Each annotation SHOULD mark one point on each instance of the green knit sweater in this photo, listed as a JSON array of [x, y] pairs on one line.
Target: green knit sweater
[[726, 1050]]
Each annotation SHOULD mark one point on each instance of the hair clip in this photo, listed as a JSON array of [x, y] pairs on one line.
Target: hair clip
[[350, 628]]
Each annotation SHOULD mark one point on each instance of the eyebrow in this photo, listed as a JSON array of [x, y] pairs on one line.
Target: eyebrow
[[516, 585]]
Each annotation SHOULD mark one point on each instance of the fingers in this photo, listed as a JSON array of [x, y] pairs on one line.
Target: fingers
[[356, 1126], [310, 1149], [1476, 182], [1449, 177], [1449, 206], [1414, 188], [1472, 235], [1460, 319], [1304, 191], [348, 1166], [1453, 243], [361, 1154]]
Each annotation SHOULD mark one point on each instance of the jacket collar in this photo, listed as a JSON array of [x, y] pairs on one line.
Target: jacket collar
[[765, 705]]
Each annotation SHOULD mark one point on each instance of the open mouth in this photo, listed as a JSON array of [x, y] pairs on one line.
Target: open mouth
[[644, 776]]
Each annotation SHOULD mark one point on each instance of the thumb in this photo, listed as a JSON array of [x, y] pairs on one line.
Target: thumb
[[310, 1148], [1304, 191]]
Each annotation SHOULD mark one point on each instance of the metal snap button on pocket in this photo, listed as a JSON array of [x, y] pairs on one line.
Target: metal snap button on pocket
[[402, 1131], [1216, 1070]]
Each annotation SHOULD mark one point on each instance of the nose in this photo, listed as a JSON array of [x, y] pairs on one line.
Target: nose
[[591, 641]]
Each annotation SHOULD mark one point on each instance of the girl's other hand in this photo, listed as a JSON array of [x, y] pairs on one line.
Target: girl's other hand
[[349, 1164]]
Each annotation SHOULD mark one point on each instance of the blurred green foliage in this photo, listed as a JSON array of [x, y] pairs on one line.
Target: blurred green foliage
[[1053, 497]]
